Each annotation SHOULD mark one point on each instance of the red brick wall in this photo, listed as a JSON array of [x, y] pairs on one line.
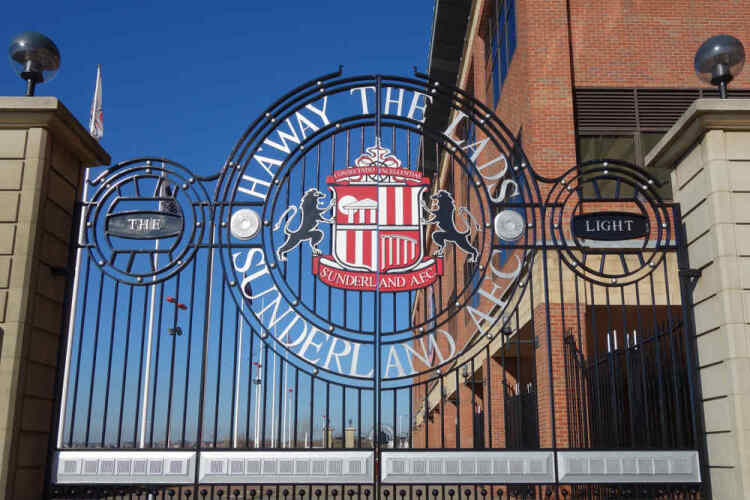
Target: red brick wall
[[617, 43], [648, 43], [536, 96]]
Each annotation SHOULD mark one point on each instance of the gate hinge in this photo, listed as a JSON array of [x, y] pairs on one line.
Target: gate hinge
[[59, 271], [691, 275]]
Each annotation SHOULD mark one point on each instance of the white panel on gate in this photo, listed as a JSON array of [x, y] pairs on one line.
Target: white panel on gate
[[428, 467], [637, 466], [285, 467], [124, 467]]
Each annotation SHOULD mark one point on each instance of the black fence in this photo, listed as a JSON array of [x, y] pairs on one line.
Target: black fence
[[521, 419], [633, 396], [393, 492], [214, 343]]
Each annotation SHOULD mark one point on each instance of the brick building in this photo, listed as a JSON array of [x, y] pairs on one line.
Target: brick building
[[576, 81]]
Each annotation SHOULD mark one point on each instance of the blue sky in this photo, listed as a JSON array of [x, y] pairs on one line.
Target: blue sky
[[184, 79]]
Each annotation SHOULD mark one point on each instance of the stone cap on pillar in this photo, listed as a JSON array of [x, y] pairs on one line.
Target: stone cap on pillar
[[703, 115], [49, 113]]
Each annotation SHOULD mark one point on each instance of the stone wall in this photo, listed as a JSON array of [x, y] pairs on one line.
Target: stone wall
[[709, 148], [42, 154]]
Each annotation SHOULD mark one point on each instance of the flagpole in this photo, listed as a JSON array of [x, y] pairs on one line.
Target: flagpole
[[273, 398], [261, 380], [237, 376], [284, 435], [96, 125], [76, 271], [147, 373], [261, 351]]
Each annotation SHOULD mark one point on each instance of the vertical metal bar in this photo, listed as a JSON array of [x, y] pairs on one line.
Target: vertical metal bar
[[328, 417], [189, 353], [473, 405], [171, 365], [596, 416], [273, 393], [137, 426], [206, 332], [280, 415], [442, 400], [73, 301], [93, 363], [295, 398], [74, 406], [312, 409], [250, 384], [673, 355], [219, 367], [238, 318], [156, 364], [265, 396], [640, 356], [411, 414], [258, 388], [395, 422], [147, 374], [519, 407], [504, 388], [611, 357], [109, 363], [688, 332], [548, 328], [359, 417], [628, 374], [488, 392], [662, 405], [376, 395], [343, 414], [125, 367], [457, 394], [425, 416]]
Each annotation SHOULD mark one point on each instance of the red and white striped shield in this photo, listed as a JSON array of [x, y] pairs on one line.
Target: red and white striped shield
[[378, 226]]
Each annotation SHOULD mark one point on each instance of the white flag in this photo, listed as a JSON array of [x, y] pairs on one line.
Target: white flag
[[96, 125]]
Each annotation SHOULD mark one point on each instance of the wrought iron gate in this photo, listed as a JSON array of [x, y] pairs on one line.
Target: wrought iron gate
[[378, 304]]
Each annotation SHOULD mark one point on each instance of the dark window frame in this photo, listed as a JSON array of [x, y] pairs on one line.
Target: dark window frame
[[617, 111], [500, 46]]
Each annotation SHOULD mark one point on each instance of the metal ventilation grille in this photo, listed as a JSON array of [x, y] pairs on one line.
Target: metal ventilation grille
[[607, 109], [659, 109], [731, 93], [598, 109]]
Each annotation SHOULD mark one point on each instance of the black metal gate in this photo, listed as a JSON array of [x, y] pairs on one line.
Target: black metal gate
[[378, 304]]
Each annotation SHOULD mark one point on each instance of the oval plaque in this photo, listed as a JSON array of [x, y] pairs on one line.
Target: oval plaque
[[144, 225], [610, 226]]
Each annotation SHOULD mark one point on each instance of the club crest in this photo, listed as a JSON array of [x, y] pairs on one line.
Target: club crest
[[378, 220]]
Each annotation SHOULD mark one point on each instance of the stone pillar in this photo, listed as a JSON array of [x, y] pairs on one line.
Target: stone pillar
[[43, 150], [709, 149], [349, 437]]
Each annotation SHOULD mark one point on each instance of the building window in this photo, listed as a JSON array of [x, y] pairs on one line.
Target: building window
[[501, 34], [625, 124], [626, 146]]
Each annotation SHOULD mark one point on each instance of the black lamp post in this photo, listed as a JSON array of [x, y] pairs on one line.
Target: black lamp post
[[35, 58], [719, 60]]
